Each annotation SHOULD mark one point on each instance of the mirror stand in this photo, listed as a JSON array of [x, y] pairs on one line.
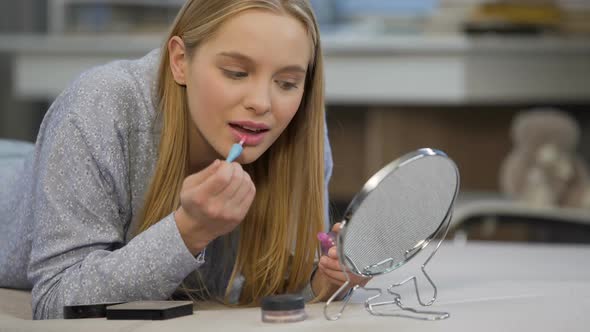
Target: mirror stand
[[407, 312], [400, 210], [410, 312]]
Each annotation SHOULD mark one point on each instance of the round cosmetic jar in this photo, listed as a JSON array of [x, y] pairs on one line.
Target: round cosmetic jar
[[287, 308]]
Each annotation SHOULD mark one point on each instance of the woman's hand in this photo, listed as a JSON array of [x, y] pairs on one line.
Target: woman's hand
[[329, 273], [212, 203]]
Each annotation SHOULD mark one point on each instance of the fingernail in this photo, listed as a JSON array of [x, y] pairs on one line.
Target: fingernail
[[332, 252]]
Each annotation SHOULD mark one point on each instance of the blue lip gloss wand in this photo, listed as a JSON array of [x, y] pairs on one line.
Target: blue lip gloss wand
[[236, 151]]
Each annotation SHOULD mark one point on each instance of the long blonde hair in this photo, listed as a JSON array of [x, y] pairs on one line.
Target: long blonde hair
[[289, 177]]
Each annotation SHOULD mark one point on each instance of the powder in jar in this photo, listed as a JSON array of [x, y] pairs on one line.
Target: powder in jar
[[285, 308]]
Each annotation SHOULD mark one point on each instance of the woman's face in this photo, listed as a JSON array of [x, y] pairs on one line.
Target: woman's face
[[246, 82]]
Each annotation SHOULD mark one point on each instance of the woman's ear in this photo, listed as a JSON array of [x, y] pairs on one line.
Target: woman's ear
[[178, 59]]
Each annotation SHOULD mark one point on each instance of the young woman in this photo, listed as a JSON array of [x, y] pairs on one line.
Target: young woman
[[127, 195]]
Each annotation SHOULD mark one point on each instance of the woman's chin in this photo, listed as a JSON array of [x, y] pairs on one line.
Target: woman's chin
[[247, 159], [250, 156]]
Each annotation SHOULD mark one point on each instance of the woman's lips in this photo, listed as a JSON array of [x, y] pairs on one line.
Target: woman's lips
[[251, 138], [251, 125]]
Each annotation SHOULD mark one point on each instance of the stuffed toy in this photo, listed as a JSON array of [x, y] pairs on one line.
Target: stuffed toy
[[543, 169]]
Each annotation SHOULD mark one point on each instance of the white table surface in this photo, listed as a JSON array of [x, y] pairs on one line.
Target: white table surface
[[484, 286]]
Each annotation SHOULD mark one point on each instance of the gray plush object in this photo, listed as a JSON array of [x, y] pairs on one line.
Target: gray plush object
[[543, 169]]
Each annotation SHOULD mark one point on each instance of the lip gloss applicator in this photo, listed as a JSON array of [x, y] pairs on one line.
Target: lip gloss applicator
[[236, 150]]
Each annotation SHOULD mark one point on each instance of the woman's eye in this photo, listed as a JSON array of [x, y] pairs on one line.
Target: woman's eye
[[235, 75], [287, 85]]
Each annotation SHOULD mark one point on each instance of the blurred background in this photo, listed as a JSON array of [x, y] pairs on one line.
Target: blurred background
[[400, 75]]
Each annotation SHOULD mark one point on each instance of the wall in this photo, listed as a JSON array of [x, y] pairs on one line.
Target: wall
[[19, 119]]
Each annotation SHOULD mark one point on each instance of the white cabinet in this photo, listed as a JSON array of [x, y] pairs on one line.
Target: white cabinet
[[374, 70]]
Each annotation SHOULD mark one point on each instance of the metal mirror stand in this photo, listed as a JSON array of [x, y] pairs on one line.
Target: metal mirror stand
[[397, 300]]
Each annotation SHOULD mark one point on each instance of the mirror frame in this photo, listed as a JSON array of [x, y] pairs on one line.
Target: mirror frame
[[369, 186]]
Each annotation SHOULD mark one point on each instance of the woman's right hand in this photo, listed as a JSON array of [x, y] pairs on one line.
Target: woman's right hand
[[213, 202]]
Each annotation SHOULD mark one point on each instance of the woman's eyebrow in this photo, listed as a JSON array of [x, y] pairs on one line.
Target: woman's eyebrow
[[237, 56], [245, 58], [293, 68]]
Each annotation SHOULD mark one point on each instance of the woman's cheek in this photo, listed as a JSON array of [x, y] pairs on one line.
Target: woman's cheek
[[212, 92]]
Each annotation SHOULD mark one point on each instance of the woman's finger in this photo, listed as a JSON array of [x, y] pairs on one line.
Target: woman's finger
[[337, 277], [330, 263], [333, 252], [336, 228], [235, 183], [248, 198], [218, 181], [235, 202], [198, 178], [247, 187]]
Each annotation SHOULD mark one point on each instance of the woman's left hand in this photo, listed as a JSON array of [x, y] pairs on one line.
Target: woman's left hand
[[330, 271]]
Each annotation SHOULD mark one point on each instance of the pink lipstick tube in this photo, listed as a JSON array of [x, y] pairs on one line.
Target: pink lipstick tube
[[327, 241]]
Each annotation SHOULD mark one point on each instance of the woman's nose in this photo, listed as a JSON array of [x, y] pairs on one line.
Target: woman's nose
[[258, 99]]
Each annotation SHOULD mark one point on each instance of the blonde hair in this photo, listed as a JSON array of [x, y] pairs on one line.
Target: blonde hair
[[289, 205]]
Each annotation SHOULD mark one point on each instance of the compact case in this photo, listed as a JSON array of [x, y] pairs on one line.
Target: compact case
[[150, 310], [98, 310]]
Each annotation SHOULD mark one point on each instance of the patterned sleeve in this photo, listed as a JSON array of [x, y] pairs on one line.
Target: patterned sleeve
[[81, 212]]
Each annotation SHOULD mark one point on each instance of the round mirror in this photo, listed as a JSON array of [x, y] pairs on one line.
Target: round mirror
[[400, 210]]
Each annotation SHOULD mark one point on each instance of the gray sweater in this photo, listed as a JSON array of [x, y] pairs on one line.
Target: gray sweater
[[68, 215]]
